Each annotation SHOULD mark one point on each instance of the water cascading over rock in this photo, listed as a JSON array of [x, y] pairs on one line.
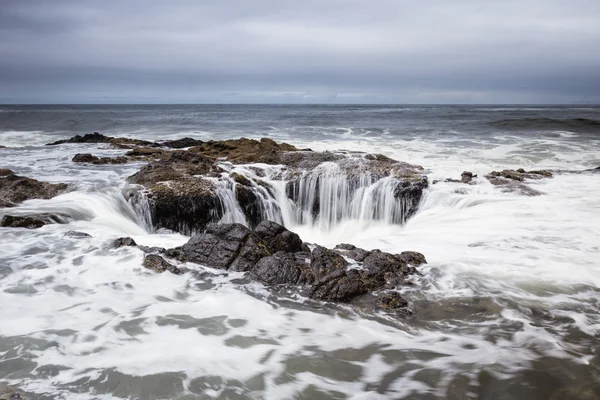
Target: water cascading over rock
[[187, 191]]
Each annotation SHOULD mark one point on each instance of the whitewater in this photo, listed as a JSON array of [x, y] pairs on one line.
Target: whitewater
[[508, 306]]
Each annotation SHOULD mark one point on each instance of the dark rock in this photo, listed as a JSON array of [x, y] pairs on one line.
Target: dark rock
[[84, 158], [250, 204], [323, 262], [16, 189], [231, 246], [99, 138], [182, 143], [159, 264], [391, 301], [284, 269], [124, 242], [9, 221], [413, 258], [278, 238], [339, 286], [75, 234], [351, 251], [467, 177], [144, 152], [5, 172]]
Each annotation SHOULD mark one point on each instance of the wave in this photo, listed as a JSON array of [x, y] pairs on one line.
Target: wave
[[570, 124]]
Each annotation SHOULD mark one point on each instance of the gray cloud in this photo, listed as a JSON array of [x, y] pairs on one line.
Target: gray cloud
[[434, 51]]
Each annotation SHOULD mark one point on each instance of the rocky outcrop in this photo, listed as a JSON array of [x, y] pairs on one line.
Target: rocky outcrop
[[77, 235], [245, 151], [11, 393], [99, 138], [187, 191], [15, 189], [181, 143], [278, 258], [512, 180]]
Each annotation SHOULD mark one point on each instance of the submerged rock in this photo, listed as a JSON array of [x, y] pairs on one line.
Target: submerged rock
[[76, 234], [9, 221], [11, 393], [124, 242], [511, 180], [15, 189]]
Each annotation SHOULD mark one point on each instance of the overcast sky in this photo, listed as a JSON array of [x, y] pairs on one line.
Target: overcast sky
[[308, 51]]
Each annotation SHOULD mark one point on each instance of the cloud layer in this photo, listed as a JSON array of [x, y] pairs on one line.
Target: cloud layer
[[232, 51]]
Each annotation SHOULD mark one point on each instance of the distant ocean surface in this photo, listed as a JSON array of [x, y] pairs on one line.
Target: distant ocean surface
[[508, 306]]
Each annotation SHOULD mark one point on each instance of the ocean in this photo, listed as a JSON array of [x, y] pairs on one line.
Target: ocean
[[507, 307]]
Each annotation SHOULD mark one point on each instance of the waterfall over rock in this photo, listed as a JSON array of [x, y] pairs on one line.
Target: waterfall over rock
[[294, 188]]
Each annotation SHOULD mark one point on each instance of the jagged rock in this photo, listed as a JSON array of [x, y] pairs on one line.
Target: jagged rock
[[284, 269], [75, 234], [15, 189], [339, 286], [99, 138], [276, 257], [124, 242], [5, 172], [277, 238], [241, 179], [182, 143], [159, 264], [324, 261], [230, 246], [9, 221]]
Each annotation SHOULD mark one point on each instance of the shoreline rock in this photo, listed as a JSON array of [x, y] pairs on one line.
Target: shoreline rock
[[15, 189]]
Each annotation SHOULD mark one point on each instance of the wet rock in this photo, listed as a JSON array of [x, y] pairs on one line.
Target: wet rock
[[182, 143], [250, 204], [278, 239], [351, 251], [241, 179], [15, 189], [84, 158], [245, 151], [9, 221], [231, 247], [467, 177], [141, 152], [159, 264], [99, 138], [324, 261], [284, 269], [511, 180], [186, 206], [124, 242], [75, 234], [339, 286], [5, 172], [391, 301], [91, 159]]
